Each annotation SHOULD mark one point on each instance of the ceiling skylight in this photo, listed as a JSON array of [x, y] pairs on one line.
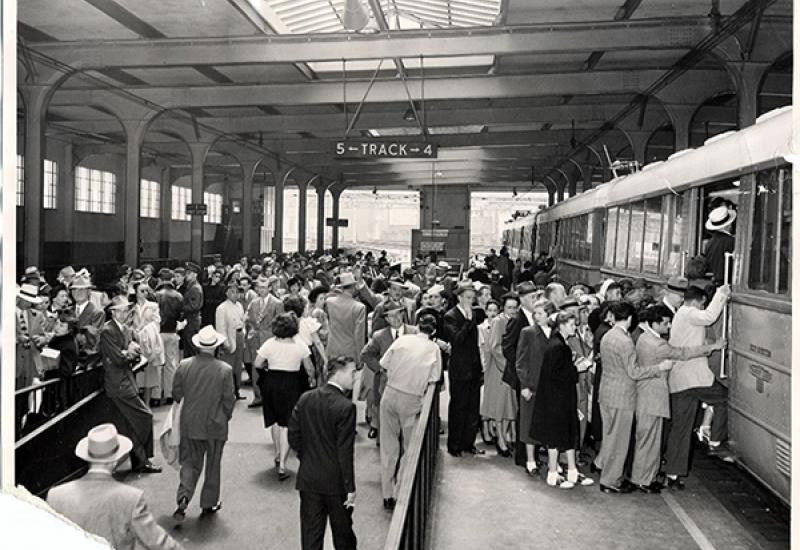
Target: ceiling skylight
[[325, 16], [433, 130]]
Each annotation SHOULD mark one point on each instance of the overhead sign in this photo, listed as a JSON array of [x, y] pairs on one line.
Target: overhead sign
[[196, 209], [333, 222], [434, 233], [358, 149], [431, 246]]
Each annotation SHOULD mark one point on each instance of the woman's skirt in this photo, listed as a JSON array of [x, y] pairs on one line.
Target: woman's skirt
[[280, 391], [499, 399]]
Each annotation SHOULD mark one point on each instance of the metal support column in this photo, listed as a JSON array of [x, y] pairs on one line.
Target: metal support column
[[133, 181], [248, 173], [33, 241], [336, 194], [301, 217], [165, 214], [321, 219], [199, 151]]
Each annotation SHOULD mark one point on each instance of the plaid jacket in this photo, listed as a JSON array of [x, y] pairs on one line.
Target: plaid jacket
[[621, 370]]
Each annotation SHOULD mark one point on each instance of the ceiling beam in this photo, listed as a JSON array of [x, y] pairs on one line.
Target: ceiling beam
[[450, 88], [643, 34]]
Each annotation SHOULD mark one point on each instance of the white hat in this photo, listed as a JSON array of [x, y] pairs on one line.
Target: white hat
[[103, 444], [435, 289], [443, 265], [29, 293], [720, 218], [346, 279], [207, 338]]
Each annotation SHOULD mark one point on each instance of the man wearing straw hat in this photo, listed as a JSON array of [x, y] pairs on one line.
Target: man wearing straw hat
[[104, 506], [90, 316], [119, 351], [29, 335], [205, 386]]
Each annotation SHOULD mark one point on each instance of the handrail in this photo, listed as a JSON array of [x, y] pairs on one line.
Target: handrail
[[409, 520]]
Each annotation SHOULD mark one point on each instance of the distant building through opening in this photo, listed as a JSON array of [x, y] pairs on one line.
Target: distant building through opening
[[490, 211]]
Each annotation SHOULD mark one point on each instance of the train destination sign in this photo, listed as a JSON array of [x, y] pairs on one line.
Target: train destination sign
[[334, 222], [385, 149]]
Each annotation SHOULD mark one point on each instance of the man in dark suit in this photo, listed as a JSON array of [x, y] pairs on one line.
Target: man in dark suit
[[524, 318], [192, 308], [373, 352], [118, 352], [464, 370], [90, 317], [322, 431]]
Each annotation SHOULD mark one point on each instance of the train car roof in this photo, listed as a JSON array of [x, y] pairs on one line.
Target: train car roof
[[722, 156]]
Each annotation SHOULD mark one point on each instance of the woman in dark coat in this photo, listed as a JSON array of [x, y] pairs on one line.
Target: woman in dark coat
[[555, 417]]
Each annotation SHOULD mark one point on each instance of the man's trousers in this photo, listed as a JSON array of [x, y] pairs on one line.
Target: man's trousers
[[235, 360], [399, 415], [463, 414], [172, 356], [647, 449], [617, 424], [315, 510], [192, 454]]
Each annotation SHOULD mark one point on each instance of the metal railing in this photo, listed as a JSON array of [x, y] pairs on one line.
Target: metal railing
[[408, 528]]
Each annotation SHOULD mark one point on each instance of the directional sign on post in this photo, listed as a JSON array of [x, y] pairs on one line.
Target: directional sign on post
[[333, 222], [196, 209], [385, 149]]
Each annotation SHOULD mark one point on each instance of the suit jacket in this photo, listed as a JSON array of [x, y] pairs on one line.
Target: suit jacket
[[653, 393], [532, 346], [465, 357], [28, 357], [228, 321], [170, 305], [322, 431], [119, 378], [380, 341], [192, 306], [258, 323], [90, 322], [688, 330], [111, 509], [510, 342], [205, 385], [379, 321], [621, 370], [348, 326]]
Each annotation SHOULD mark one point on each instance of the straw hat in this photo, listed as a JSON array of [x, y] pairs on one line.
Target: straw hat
[[119, 302], [29, 292], [346, 280], [103, 444], [207, 338], [81, 281], [720, 218]]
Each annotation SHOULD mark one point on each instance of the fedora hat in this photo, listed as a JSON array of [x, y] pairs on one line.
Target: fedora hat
[[67, 271], [119, 302], [137, 276], [720, 218], [525, 287], [346, 280], [462, 287], [392, 307], [29, 293], [678, 284], [207, 338], [191, 266], [397, 281], [103, 444], [82, 280], [443, 265]]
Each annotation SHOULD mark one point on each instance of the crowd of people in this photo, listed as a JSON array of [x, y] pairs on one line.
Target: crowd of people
[[572, 377]]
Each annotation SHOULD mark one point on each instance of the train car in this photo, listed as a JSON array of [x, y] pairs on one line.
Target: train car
[[651, 223], [519, 236]]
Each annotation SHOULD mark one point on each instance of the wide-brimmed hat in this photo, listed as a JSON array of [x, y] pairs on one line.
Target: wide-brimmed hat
[[397, 281], [568, 303], [119, 302], [435, 289], [165, 274], [462, 287], [346, 280], [103, 444], [137, 276], [191, 266], [29, 292], [208, 338], [66, 271], [393, 306], [81, 281], [443, 265], [678, 284], [525, 287], [720, 218]]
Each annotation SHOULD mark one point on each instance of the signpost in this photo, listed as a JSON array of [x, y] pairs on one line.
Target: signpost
[[431, 246], [333, 222], [434, 233], [359, 149], [196, 209]]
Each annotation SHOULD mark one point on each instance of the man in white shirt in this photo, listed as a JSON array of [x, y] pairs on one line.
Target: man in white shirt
[[692, 381], [411, 364], [230, 323]]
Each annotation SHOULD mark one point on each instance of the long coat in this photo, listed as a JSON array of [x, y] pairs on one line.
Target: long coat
[[510, 342], [28, 358], [205, 385], [90, 321], [348, 326], [555, 414]]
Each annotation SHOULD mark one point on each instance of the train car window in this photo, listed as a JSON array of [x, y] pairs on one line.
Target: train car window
[[589, 238], [636, 236], [611, 235], [770, 248], [679, 213], [711, 197], [623, 232], [654, 218]]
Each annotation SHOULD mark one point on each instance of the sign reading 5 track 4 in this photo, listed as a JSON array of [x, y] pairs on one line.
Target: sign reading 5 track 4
[[385, 149]]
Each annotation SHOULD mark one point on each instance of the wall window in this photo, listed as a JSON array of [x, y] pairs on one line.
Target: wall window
[[181, 196], [95, 191], [770, 247], [50, 183], [214, 203], [611, 236], [20, 180], [652, 235], [149, 199]]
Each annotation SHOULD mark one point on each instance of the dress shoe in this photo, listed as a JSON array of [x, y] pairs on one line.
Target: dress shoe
[[501, 452], [476, 451], [675, 484], [283, 475], [532, 472], [373, 433], [213, 510], [148, 468], [254, 404], [594, 469], [155, 402], [721, 452], [389, 504], [456, 454], [239, 397], [180, 513], [608, 489], [649, 489], [168, 401]]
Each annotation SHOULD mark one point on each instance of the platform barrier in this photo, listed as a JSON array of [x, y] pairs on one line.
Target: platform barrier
[[408, 528]]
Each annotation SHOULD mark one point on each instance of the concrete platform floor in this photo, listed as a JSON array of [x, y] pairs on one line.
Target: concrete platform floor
[[260, 512], [486, 502]]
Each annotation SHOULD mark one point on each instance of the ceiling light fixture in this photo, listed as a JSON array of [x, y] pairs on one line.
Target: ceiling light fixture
[[355, 15], [409, 115]]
